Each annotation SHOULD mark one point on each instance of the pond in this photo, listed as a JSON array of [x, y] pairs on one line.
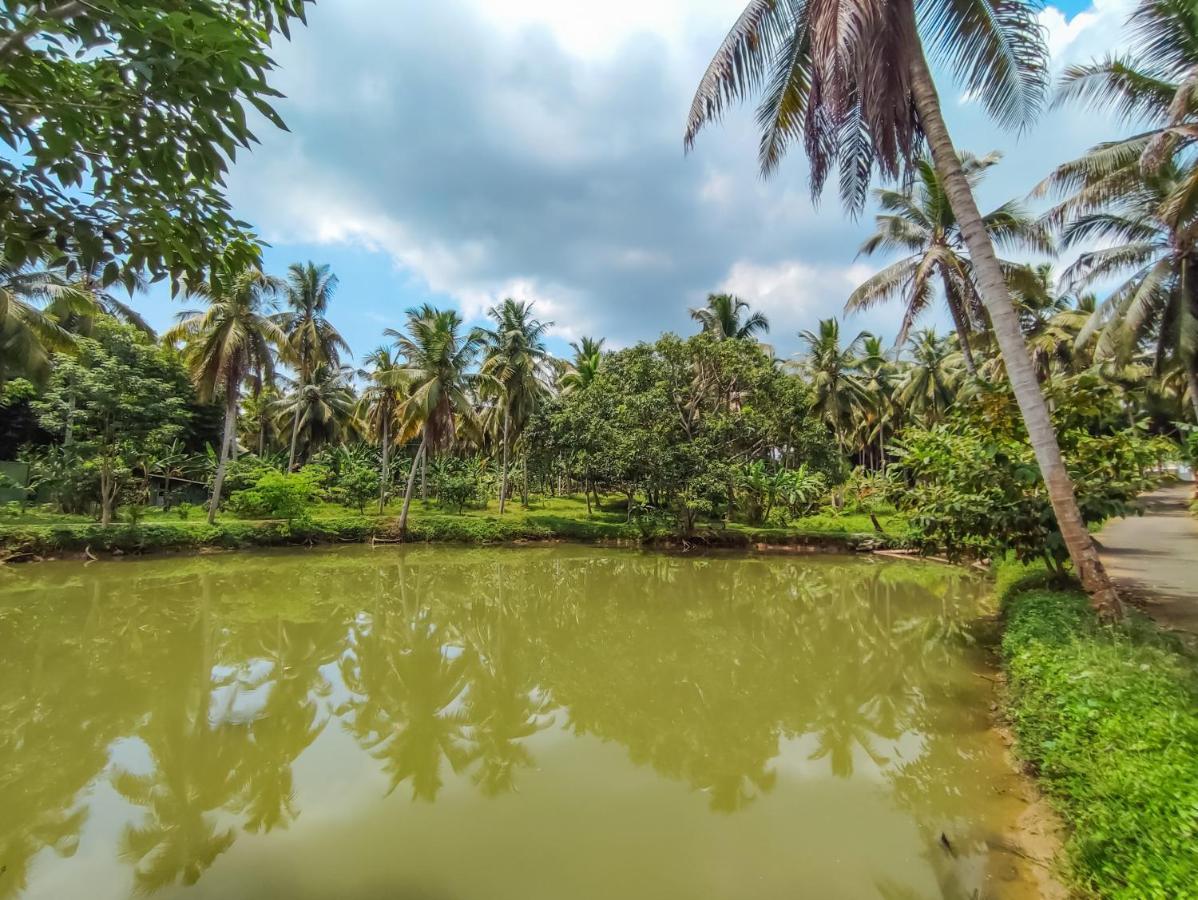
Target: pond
[[526, 723]]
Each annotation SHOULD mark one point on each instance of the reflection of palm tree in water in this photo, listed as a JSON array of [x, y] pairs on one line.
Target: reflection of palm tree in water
[[503, 705], [406, 682], [195, 768], [292, 717]]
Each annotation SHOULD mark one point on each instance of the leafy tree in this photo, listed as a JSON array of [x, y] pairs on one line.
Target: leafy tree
[[357, 484], [971, 485], [118, 396], [229, 342], [124, 115], [862, 98]]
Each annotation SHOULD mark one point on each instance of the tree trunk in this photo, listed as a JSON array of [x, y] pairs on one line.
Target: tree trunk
[[295, 420], [503, 474], [959, 323], [995, 296], [1192, 377], [225, 448], [107, 494], [385, 472], [524, 468], [407, 494], [424, 477]]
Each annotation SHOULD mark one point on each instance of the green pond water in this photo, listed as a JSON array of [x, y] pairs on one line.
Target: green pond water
[[534, 724]]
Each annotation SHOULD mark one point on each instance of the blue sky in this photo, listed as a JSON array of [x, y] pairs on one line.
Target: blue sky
[[468, 150]]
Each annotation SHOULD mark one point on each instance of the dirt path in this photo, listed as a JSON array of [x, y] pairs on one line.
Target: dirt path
[[1154, 558]]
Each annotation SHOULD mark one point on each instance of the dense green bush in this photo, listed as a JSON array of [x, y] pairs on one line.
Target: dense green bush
[[278, 495], [1109, 719], [972, 486]]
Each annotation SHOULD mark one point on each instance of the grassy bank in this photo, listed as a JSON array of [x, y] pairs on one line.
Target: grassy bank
[[38, 534], [1108, 719]]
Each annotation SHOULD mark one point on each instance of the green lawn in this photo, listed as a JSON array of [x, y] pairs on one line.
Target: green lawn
[[546, 518], [1108, 718]]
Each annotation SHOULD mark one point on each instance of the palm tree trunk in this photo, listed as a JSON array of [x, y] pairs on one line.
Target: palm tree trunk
[[1192, 377], [407, 494], [294, 438], [993, 289], [383, 474], [503, 474], [424, 477], [959, 324], [225, 448]]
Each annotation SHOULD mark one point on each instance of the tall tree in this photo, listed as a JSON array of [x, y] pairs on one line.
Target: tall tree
[[381, 402], [930, 381], [1148, 224], [230, 341], [919, 222], [517, 370], [832, 370], [312, 340], [851, 79], [437, 360], [121, 150], [727, 316], [322, 410]]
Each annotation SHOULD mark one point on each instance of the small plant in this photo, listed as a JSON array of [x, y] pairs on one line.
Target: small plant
[[276, 496], [184, 510]]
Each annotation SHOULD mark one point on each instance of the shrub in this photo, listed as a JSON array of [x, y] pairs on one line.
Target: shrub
[[184, 509], [276, 496], [972, 485], [356, 485]]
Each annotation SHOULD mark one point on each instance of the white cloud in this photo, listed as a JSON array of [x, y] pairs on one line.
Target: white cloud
[[533, 148]]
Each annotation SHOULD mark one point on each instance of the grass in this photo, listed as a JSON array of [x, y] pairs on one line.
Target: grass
[[1108, 718], [563, 518]]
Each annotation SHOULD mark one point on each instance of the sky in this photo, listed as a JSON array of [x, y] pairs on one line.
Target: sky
[[464, 151]]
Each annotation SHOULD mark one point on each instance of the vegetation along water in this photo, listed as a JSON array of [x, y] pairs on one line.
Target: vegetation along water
[[499, 723]]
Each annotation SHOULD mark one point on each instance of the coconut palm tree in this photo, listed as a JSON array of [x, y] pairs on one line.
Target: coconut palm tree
[[437, 358], [581, 371], [323, 409], [312, 341], [32, 304], [90, 280], [1140, 192], [516, 370], [919, 222], [1151, 237], [833, 373], [381, 401], [722, 317], [876, 412], [232, 340], [851, 79], [930, 381]]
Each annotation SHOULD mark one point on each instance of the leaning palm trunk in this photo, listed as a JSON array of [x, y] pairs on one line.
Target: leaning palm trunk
[[384, 472], [1022, 375], [407, 494], [225, 449]]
